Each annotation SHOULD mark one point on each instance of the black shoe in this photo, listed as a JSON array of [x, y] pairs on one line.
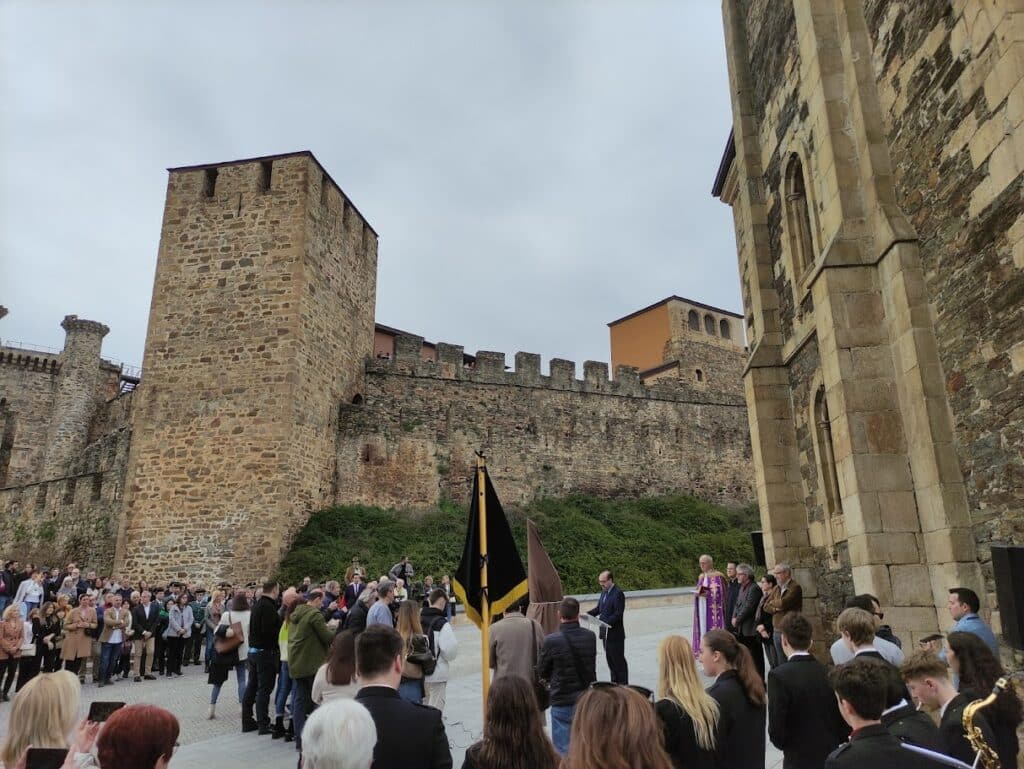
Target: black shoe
[[101, 683], [278, 731], [263, 730], [150, 677], [289, 733], [249, 727]]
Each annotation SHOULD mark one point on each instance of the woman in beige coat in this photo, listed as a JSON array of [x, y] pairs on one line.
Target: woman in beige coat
[[77, 645], [12, 634]]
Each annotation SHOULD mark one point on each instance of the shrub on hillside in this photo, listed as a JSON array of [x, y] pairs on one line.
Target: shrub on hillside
[[648, 543]]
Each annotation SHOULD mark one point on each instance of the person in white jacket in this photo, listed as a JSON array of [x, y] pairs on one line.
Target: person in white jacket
[[443, 644]]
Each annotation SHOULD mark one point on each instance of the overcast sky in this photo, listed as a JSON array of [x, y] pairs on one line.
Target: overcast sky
[[535, 170]]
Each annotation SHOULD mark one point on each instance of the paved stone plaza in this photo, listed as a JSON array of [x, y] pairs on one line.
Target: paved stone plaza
[[220, 744]]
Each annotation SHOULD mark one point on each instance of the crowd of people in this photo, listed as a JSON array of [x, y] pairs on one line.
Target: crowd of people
[[320, 664]]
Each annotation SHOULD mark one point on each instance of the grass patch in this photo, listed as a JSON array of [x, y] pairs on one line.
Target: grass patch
[[648, 543]]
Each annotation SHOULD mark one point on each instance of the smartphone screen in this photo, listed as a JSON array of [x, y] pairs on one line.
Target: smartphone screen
[[100, 711], [45, 758]]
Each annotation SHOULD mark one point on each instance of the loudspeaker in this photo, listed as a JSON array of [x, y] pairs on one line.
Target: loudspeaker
[[1008, 566], [757, 540]]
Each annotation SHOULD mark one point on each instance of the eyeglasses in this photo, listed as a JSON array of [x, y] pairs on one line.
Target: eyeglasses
[[646, 693]]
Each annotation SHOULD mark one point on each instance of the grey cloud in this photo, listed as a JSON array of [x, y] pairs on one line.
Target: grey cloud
[[534, 170]]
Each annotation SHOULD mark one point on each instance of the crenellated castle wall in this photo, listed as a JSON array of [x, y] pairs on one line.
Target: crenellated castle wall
[[410, 439]]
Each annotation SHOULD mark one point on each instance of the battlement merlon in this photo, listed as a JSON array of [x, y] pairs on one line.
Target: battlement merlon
[[490, 368], [72, 324], [244, 175]]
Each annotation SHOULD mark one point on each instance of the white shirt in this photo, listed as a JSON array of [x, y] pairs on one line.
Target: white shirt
[[116, 636]]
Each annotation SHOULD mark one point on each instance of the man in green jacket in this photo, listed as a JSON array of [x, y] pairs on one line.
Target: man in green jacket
[[308, 641]]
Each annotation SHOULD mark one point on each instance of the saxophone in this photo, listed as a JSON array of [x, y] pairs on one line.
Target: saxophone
[[986, 755]]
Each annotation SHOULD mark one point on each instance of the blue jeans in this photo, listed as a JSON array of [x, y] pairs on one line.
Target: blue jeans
[[210, 638], [5, 600], [411, 690], [284, 688], [240, 675], [302, 706], [110, 655], [561, 725]]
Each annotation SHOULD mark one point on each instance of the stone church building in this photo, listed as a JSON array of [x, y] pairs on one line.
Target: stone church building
[[874, 170]]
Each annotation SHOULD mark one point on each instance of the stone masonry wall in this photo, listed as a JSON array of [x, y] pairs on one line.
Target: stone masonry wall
[[27, 384], [75, 515], [951, 84], [262, 307], [411, 441]]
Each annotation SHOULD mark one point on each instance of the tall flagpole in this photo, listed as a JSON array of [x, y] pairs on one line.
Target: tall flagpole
[[485, 608]]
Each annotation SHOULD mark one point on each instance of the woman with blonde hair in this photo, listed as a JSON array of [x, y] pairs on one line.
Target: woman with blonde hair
[[614, 727], [43, 716], [689, 715], [12, 634], [409, 627]]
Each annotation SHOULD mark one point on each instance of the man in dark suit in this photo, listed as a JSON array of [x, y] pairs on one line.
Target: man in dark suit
[[732, 591], [409, 736], [742, 621], [860, 687], [610, 608], [353, 590], [928, 679], [145, 621], [803, 717]]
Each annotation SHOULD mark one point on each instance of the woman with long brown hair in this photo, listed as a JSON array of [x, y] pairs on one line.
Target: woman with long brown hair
[[514, 735], [336, 678], [978, 669], [409, 627], [689, 715], [614, 727], [741, 700]]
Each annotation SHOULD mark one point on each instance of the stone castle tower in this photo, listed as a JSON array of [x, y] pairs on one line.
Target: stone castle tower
[[874, 172], [261, 319], [75, 400]]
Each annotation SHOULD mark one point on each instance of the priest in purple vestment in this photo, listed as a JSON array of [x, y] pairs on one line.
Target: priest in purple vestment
[[709, 602]]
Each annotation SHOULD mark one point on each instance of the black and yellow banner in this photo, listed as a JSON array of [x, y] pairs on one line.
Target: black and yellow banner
[[506, 576]]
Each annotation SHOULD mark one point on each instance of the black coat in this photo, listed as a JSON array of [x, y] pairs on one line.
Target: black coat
[[803, 716], [264, 625], [909, 724], [741, 724], [954, 740], [559, 668], [680, 738], [745, 610], [873, 746], [409, 736], [355, 620], [143, 620], [732, 592]]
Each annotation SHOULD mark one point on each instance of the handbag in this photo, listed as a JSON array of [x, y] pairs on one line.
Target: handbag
[[540, 688], [420, 655], [28, 650], [226, 644]]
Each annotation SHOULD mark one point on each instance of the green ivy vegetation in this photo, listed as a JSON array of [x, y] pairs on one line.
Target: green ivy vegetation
[[648, 543]]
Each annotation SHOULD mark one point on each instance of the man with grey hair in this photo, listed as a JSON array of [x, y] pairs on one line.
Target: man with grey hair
[[743, 622], [786, 597], [340, 734]]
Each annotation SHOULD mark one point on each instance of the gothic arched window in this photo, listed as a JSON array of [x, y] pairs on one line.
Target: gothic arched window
[[798, 217], [826, 454], [723, 328], [693, 319], [709, 325]]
